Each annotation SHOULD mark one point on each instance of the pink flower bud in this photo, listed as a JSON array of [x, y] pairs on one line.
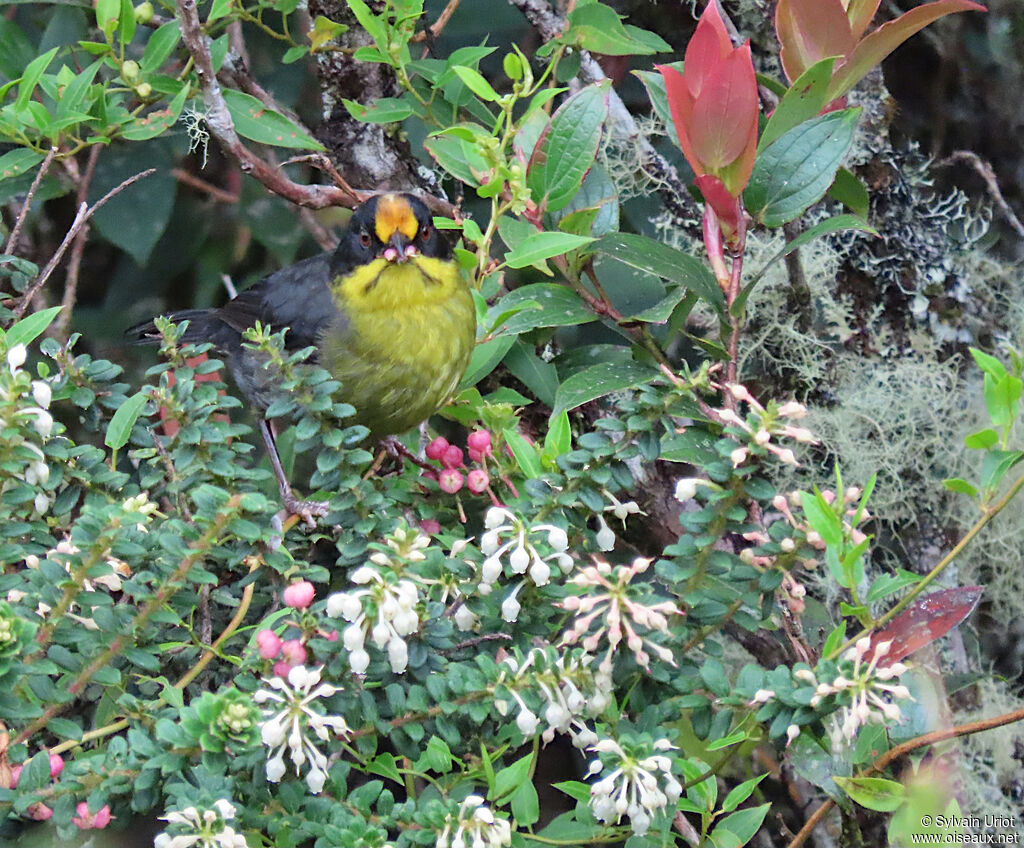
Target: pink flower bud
[[269, 644], [40, 812], [332, 636], [299, 595], [480, 441], [450, 481], [281, 669], [293, 652], [452, 457], [477, 481], [435, 450], [430, 526], [86, 820], [56, 765]]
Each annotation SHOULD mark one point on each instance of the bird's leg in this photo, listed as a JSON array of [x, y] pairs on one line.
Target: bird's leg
[[306, 510], [396, 450]]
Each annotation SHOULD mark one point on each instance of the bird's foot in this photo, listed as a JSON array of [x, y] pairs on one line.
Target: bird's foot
[[396, 450], [307, 511]]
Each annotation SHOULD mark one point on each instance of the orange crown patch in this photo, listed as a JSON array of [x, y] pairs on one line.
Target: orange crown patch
[[394, 214]]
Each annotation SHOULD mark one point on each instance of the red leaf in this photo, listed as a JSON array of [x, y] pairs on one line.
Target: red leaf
[[879, 44], [924, 621], [709, 45], [725, 111], [726, 207], [809, 31]]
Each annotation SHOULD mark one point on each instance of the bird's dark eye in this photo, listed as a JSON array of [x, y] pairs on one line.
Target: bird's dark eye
[[364, 239], [425, 233]]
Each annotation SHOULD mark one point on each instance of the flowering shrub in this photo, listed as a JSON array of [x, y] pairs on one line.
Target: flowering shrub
[[609, 565]]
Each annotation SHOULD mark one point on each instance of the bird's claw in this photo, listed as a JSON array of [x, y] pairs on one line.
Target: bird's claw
[[307, 511]]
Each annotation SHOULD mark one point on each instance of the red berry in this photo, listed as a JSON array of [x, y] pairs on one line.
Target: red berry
[[479, 440], [430, 525], [450, 481], [452, 457], [436, 449], [477, 481]]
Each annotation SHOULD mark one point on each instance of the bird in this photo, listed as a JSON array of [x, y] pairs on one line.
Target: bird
[[388, 312]]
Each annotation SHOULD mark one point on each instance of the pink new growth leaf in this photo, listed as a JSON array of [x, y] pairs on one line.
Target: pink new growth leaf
[[809, 31]]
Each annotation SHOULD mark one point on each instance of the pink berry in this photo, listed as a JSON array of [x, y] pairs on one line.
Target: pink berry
[[281, 668], [429, 474], [293, 652], [480, 441], [477, 481], [452, 457], [475, 455], [436, 449], [56, 765], [450, 481], [15, 775], [40, 812], [269, 644], [332, 636], [430, 526], [92, 821], [299, 595]]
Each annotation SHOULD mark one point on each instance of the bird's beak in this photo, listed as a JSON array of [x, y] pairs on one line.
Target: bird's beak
[[398, 242]]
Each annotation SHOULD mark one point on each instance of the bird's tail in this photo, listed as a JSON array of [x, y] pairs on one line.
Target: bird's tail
[[202, 327]]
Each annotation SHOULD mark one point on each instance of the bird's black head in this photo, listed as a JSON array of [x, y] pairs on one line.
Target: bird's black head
[[389, 226]]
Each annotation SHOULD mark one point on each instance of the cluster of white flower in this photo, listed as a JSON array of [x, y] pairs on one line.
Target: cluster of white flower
[[524, 558], [475, 827], [620, 611], [638, 788], [284, 726], [765, 424], [209, 829], [570, 688], [605, 536], [16, 410], [384, 611]]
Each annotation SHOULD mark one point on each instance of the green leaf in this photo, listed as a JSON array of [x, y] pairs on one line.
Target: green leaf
[[160, 45], [538, 376], [803, 101], [511, 777], [485, 359], [568, 148], [369, 21], [256, 122], [476, 83], [219, 9], [29, 328], [324, 30], [653, 257], [739, 793], [834, 640], [549, 305], [16, 162], [158, 121], [600, 380], [712, 672], [796, 170], [525, 454], [558, 439], [821, 517], [598, 28], [126, 23], [982, 439], [851, 192], [525, 804], [742, 825], [545, 245], [120, 428], [30, 79], [386, 110], [889, 584], [995, 465], [1002, 398], [874, 793], [956, 484], [454, 155], [989, 364]]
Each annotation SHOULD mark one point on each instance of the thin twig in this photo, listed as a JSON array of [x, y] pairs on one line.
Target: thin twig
[[222, 127], [435, 28], [984, 169], [83, 215], [12, 241], [63, 321], [191, 180], [893, 754]]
